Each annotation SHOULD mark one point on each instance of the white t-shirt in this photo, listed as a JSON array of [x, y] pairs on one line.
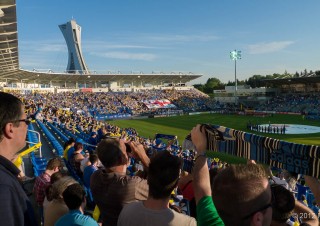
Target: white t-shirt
[[136, 214]]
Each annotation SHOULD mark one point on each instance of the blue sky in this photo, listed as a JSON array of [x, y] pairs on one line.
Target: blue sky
[[174, 36]]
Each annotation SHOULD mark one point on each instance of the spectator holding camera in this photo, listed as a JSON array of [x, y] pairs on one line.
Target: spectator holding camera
[[111, 187]]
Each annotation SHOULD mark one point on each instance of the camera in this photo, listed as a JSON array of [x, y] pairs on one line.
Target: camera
[[128, 148]]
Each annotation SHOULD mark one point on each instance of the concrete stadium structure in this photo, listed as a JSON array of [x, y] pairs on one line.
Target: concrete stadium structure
[[11, 75], [72, 34]]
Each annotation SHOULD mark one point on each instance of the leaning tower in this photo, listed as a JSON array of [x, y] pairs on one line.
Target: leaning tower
[[72, 34]]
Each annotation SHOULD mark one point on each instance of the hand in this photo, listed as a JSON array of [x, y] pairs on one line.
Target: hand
[[137, 148], [199, 139], [250, 161]]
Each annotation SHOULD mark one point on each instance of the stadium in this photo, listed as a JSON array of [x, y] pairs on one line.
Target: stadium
[[276, 124]]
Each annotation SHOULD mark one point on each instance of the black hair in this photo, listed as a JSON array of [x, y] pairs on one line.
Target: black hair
[[73, 196], [110, 153], [93, 158], [163, 174], [10, 110]]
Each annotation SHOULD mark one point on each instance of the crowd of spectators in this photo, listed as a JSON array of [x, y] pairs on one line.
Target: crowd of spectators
[[115, 103], [307, 104], [125, 168]]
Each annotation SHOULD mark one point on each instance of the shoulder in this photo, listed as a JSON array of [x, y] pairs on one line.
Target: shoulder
[[6, 190], [184, 219], [9, 185], [137, 179], [85, 220], [132, 206]]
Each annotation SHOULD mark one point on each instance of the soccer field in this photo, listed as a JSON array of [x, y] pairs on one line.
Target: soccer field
[[181, 126]]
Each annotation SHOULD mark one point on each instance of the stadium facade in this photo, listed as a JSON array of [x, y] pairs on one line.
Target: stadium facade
[[72, 34]]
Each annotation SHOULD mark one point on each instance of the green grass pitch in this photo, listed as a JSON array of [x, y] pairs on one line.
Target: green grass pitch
[[181, 126]]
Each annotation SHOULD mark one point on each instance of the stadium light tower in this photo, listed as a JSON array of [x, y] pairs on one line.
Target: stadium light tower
[[235, 55]]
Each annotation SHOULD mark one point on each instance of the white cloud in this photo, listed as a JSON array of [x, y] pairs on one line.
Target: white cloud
[[43, 46], [108, 45], [52, 48], [127, 56], [183, 38], [270, 47]]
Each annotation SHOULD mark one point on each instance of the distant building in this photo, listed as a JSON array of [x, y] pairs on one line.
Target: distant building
[[245, 95], [72, 34]]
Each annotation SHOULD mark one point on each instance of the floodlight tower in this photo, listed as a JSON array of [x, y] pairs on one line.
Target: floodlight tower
[[72, 34], [235, 55]]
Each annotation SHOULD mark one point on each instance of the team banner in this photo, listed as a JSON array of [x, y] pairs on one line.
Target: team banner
[[155, 104], [297, 158]]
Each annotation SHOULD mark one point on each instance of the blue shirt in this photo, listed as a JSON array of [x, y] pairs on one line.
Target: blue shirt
[[87, 172], [75, 218], [315, 210], [70, 153], [302, 190]]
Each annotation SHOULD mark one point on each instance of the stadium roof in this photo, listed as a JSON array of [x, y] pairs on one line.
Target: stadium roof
[[299, 80], [9, 61], [40, 77], [11, 72]]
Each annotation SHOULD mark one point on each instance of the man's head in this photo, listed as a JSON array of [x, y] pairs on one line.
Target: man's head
[[60, 186], [54, 164], [242, 195], [163, 174], [112, 152], [74, 196], [78, 146], [93, 159], [13, 124]]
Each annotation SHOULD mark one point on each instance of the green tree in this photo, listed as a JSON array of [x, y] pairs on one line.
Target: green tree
[[199, 87], [212, 83]]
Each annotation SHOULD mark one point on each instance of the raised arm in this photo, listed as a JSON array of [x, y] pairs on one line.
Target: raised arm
[[140, 152], [305, 214], [207, 214], [201, 177]]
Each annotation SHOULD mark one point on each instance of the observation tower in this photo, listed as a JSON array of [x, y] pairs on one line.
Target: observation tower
[[72, 34]]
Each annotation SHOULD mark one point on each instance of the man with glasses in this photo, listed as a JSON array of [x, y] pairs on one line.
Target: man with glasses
[[15, 208], [241, 193]]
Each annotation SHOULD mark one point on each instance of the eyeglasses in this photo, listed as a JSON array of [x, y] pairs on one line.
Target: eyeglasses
[[259, 210], [264, 207], [26, 121]]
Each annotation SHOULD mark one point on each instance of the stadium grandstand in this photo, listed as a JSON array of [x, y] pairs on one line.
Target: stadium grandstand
[[68, 115]]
